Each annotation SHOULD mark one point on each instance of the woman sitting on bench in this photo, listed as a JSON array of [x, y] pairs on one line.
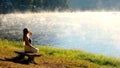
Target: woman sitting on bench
[[29, 50], [27, 42]]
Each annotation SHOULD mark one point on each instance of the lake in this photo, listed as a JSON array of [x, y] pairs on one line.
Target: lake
[[95, 32]]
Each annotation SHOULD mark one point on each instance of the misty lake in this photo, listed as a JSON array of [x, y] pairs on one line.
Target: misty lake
[[95, 32]]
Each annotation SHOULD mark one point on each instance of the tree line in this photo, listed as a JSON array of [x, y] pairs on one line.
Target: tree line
[[32, 5]]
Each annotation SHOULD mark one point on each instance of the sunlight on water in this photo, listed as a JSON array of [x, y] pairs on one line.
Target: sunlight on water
[[97, 32]]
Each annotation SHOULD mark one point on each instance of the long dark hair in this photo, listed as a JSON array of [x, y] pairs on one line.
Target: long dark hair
[[25, 31]]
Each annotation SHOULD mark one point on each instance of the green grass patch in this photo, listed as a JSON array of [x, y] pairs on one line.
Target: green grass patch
[[61, 57], [79, 55]]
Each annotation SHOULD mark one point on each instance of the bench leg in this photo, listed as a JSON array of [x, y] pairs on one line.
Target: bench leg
[[17, 58], [31, 59]]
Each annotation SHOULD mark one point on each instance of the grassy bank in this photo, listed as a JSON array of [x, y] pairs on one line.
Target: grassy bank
[[55, 58]]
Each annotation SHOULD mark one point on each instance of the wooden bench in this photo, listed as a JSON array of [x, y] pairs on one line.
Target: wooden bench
[[30, 56]]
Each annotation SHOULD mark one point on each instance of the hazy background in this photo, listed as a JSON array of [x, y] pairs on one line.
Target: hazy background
[[8, 6], [95, 5]]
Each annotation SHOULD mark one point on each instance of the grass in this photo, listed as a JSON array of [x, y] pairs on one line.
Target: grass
[[55, 58]]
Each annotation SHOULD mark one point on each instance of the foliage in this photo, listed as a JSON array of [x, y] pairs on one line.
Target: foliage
[[32, 5]]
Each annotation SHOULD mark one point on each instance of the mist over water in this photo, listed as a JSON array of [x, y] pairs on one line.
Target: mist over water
[[96, 32]]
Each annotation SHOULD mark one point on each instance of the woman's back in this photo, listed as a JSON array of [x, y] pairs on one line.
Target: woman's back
[[27, 41]]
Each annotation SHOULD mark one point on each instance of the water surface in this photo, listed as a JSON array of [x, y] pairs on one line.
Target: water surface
[[96, 32]]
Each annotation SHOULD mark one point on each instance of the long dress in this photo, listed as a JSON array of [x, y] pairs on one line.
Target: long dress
[[29, 47]]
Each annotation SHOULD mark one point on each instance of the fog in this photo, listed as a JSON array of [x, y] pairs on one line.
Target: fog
[[96, 32]]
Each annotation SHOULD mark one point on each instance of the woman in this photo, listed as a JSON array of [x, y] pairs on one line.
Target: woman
[[27, 42]]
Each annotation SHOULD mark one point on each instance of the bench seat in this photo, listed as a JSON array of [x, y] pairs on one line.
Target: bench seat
[[31, 56], [27, 54]]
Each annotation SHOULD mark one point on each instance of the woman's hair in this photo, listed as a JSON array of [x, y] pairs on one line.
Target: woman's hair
[[25, 31]]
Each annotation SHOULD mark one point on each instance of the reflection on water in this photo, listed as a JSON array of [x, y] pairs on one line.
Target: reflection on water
[[96, 32]]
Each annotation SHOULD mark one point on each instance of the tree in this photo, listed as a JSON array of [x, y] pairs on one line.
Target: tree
[[55, 4], [32, 5]]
